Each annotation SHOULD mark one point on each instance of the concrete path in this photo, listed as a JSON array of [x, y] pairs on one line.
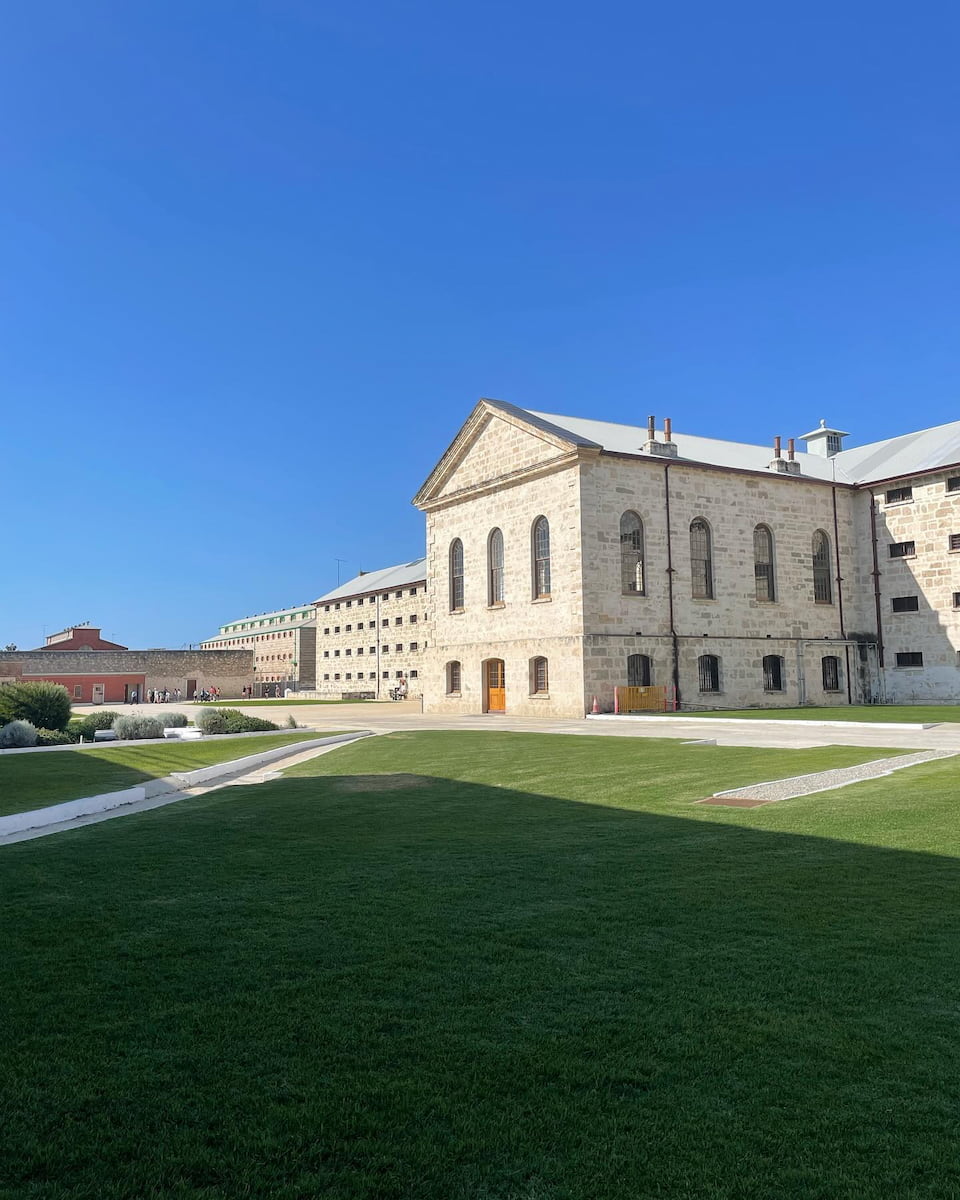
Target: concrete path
[[260, 774], [820, 781]]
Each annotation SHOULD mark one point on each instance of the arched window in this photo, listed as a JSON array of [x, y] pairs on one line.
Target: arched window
[[708, 666], [456, 574], [772, 673], [631, 555], [539, 680], [639, 670], [541, 558], [495, 567], [453, 677], [830, 666], [701, 561], [822, 591], [763, 563]]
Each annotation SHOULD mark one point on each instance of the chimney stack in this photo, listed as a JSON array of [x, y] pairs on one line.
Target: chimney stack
[[665, 449], [783, 466]]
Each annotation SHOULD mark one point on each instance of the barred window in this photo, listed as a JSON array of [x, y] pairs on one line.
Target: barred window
[[495, 567], [541, 558], [631, 554], [538, 676], [701, 562], [763, 563], [456, 574], [903, 549], [453, 677], [910, 658], [822, 588], [708, 666], [772, 673], [830, 666], [639, 670]]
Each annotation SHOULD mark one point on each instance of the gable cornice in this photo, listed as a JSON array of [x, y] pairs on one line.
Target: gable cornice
[[567, 445]]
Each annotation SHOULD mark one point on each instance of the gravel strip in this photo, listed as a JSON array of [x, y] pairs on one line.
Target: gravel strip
[[825, 781]]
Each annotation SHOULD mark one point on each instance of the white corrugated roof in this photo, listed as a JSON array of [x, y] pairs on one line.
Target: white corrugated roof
[[382, 580], [909, 454]]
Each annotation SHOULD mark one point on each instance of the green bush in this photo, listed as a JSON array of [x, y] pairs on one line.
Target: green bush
[[87, 726], [53, 737], [45, 705], [173, 720], [229, 720], [131, 727], [16, 734]]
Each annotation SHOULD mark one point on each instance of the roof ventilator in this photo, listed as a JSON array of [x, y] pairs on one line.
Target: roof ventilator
[[785, 466], [665, 449]]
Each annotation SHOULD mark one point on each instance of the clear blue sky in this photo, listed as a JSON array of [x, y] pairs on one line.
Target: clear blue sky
[[259, 259]]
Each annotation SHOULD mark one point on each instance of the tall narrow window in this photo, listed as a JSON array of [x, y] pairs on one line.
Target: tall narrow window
[[708, 666], [539, 681], [456, 575], [639, 671], [830, 665], [772, 673], [701, 562], [822, 591], [631, 554], [763, 563], [541, 558], [495, 567], [453, 677]]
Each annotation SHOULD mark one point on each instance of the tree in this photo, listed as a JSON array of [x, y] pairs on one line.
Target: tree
[[10, 646]]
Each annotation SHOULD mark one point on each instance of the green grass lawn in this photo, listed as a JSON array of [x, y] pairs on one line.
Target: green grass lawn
[[491, 966], [29, 781], [917, 714]]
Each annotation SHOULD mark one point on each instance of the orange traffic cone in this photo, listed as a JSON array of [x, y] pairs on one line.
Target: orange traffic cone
[[596, 706]]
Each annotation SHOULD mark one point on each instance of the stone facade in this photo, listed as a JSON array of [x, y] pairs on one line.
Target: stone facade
[[283, 644], [367, 638], [110, 676], [746, 643]]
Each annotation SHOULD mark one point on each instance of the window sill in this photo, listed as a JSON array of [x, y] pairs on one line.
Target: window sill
[[901, 557], [635, 595], [539, 696], [541, 600], [896, 503], [499, 604], [704, 599], [457, 612], [454, 695]]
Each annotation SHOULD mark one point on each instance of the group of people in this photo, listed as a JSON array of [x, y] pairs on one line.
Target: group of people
[[400, 691], [155, 696], [205, 694]]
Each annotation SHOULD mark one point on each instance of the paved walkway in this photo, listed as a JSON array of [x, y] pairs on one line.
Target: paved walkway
[[820, 781]]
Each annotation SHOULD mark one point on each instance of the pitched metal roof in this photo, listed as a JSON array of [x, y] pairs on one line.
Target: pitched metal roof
[[376, 581], [908, 454]]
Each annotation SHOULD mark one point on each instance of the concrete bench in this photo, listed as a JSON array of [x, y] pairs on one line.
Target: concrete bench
[[185, 733], [104, 735]]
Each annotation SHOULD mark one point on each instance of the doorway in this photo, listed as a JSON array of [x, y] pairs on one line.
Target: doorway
[[496, 686], [98, 693]]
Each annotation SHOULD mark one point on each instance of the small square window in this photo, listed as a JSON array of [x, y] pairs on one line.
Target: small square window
[[336, 654], [413, 674], [327, 630], [398, 620], [326, 678], [336, 629], [373, 649], [336, 677], [412, 592], [359, 674], [398, 595], [385, 622], [414, 646], [359, 649], [348, 628], [348, 675], [413, 618], [386, 648], [956, 599], [326, 654], [955, 541], [386, 674], [349, 604], [910, 658], [399, 647], [337, 607], [953, 483], [905, 603], [903, 549], [348, 652], [385, 596]]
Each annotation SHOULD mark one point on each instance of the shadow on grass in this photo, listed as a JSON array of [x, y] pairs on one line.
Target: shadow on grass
[[407, 986]]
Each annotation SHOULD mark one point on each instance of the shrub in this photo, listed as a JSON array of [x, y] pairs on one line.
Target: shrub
[[292, 722], [132, 727], [16, 734], [212, 720], [53, 737], [43, 704], [87, 726], [173, 720], [229, 720]]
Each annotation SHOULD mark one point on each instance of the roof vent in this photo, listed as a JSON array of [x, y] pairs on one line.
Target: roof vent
[[665, 449], [823, 441]]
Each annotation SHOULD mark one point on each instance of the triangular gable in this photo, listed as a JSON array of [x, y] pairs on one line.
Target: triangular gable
[[498, 441]]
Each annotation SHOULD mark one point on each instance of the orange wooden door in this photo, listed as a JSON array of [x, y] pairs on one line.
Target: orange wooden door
[[496, 688]]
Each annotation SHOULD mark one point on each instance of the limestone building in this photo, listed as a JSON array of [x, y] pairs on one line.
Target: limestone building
[[371, 631], [284, 647], [568, 556]]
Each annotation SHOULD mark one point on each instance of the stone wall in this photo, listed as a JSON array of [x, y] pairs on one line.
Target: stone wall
[[229, 670], [364, 643]]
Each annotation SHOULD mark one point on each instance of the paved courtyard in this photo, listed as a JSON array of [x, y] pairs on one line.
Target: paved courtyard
[[388, 715]]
